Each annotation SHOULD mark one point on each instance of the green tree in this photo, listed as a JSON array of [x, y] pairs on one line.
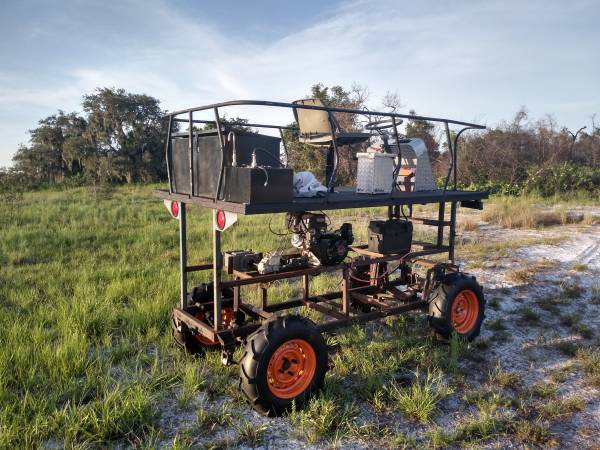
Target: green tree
[[57, 148], [127, 130], [235, 123], [121, 139]]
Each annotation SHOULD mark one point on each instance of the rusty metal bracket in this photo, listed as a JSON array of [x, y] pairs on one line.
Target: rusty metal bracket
[[228, 343]]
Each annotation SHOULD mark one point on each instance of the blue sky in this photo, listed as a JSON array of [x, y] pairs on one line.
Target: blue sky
[[470, 60]]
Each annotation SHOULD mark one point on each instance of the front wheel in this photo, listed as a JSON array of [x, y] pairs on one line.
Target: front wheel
[[284, 363], [457, 306]]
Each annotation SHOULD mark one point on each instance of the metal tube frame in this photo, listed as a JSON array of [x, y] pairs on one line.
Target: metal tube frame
[[322, 108], [191, 150], [222, 143], [168, 153], [333, 151], [217, 266], [330, 110], [397, 170], [183, 269], [341, 315]]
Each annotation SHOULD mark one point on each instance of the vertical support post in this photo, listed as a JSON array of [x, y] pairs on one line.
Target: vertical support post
[[441, 216], [217, 266], [452, 236], [451, 149], [345, 293], [455, 165], [182, 256], [285, 149], [191, 150], [222, 144], [305, 287], [394, 212], [331, 169], [263, 297], [168, 153], [397, 171], [236, 297]]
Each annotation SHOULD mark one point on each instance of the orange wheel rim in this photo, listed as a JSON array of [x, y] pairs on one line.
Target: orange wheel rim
[[465, 311], [227, 315], [291, 368]]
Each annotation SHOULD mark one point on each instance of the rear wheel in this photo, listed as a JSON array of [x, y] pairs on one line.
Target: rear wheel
[[200, 306], [457, 306], [284, 363], [184, 338]]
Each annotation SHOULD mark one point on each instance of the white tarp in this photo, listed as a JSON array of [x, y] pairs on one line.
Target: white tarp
[[306, 185]]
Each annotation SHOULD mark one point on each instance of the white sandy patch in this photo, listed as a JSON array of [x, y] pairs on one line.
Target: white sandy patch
[[582, 249]]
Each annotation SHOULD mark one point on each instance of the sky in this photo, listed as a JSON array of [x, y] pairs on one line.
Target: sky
[[468, 60]]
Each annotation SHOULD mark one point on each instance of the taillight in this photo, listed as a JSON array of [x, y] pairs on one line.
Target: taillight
[[175, 209], [172, 207], [221, 220]]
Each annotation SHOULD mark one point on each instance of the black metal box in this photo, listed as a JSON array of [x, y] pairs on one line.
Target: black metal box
[[390, 236], [206, 158], [258, 185], [241, 260]]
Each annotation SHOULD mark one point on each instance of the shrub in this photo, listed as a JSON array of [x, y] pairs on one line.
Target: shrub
[[549, 181], [545, 181]]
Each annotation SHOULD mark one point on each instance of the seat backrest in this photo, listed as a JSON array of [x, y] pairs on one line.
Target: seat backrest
[[312, 121]]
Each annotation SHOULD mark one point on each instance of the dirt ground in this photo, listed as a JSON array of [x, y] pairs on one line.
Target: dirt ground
[[543, 307], [559, 283]]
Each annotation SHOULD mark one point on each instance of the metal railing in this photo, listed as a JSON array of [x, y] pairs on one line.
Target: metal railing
[[173, 119]]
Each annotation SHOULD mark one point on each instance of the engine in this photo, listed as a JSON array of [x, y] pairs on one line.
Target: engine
[[310, 234]]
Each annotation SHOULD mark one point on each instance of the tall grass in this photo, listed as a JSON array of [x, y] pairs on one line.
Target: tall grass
[[419, 400], [87, 280], [519, 213], [88, 277], [531, 211]]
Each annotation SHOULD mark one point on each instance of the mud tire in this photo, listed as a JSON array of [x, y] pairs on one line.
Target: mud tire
[[457, 287], [263, 346]]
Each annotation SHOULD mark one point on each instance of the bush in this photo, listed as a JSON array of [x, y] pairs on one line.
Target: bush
[[544, 181], [12, 181], [497, 188], [549, 181]]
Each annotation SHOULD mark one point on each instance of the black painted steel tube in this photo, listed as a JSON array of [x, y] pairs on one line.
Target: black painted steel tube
[[322, 108]]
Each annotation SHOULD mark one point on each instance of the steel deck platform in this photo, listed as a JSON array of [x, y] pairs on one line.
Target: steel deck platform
[[344, 199]]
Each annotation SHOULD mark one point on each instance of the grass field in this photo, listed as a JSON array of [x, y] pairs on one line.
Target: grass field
[[88, 277]]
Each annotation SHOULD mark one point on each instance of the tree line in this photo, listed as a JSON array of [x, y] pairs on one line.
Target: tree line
[[119, 138], [531, 154]]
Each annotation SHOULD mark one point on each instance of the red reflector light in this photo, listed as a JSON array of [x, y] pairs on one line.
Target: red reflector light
[[220, 219], [175, 209]]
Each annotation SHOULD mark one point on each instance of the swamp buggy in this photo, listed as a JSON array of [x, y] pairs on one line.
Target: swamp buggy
[[221, 165]]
